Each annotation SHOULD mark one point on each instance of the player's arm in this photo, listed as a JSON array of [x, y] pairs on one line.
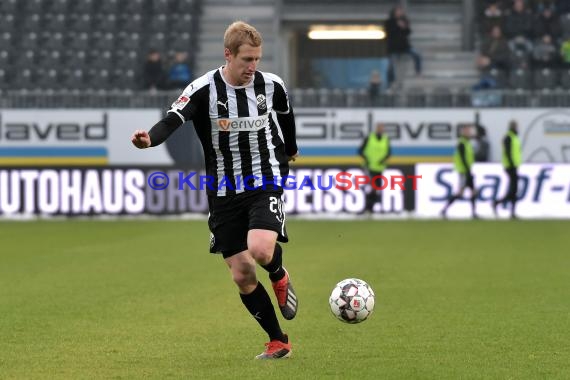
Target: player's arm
[[508, 150], [361, 151], [286, 119], [362, 146], [388, 153], [462, 154], [158, 133], [181, 111], [140, 139], [289, 130]]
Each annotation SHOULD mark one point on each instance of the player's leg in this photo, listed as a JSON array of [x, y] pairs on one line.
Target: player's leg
[[470, 183], [513, 190], [369, 199], [271, 259], [257, 301], [496, 203], [266, 227], [508, 196], [499, 201], [370, 192], [266, 252], [376, 184], [455, 196], [228, 224]]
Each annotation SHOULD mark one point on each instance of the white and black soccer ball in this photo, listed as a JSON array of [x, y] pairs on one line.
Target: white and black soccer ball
[[352, 300]]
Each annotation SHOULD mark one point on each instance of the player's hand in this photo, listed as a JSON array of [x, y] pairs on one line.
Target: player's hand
[[294, 157], [140, 139]]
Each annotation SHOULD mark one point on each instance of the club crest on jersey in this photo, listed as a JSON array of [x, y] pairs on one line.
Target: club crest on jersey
[[261, 103], [181, 102]]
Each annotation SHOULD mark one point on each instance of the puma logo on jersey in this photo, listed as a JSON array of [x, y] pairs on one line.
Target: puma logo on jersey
[[223, 104]]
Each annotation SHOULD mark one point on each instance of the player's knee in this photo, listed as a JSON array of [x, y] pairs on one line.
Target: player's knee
[[262, 250], [244, 276]]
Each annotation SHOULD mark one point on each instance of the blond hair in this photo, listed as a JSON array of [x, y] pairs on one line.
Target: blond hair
[[240, 33]]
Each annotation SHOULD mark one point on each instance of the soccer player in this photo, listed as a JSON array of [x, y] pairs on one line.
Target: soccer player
[[231, 110], [463, 160], [511, 161], [375, 150]]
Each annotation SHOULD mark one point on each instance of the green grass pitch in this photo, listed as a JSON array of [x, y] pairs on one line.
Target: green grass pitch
[[144, 299]]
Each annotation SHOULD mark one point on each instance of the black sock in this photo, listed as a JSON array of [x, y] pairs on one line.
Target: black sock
[[275, 266], [450, 201], [259, 305], [370, 200]]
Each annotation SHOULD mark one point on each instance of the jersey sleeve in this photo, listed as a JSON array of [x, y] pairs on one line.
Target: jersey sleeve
[[187, 104], [280, 97]]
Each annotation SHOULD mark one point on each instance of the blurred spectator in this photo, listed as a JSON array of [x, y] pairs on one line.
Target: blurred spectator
[[521, 50], [486, 82], [179, 73], [153, 73], [541, 5], [518, 21], [563, 6], [374, 86], [398, 39], [463, 160], [565, 53], [512, 158], [494, 51], [544, 54], [547, 23], [375, 150], [498, 2], [481, 145], [492, 16]]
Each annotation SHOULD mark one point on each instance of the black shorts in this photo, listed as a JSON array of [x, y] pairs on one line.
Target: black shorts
[[232, 217], [466, 181]]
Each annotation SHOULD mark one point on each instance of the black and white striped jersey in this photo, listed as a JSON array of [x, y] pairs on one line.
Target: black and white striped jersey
[[241, 142]]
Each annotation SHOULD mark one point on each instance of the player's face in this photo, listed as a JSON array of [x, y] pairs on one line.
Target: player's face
[[241, 67], [467, 132]]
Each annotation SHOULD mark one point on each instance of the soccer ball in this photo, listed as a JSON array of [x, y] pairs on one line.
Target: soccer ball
[[352, 300]]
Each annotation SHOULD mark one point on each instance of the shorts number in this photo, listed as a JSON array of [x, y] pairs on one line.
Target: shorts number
[[275, 205]]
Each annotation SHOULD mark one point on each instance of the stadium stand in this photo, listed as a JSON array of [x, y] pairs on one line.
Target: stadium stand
[[65, 44], [536, 31], [97, 47]]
